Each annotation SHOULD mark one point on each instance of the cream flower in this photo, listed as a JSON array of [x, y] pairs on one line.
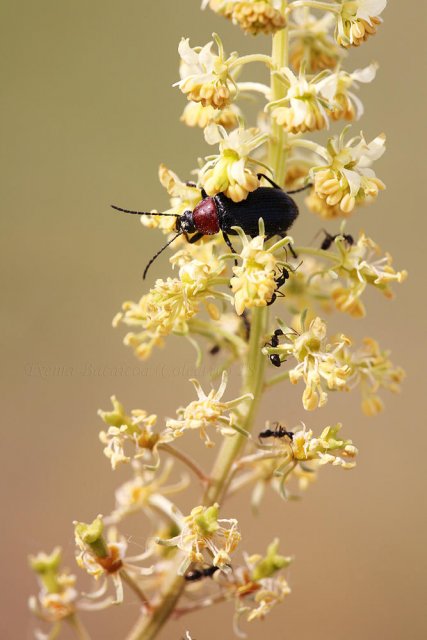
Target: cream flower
[[372, 369], [144, 491], [257, 587], [253, 16], [254, 281], [326, 449], [208, 411], [205, 537], [303, 108], [136, 429], [183, 197], [196, 115], [347, 179], [311, 43], [357, 20], [336, 90], [360, 266], [57, 597], [206, 76], [319, 363], [233, 171], [170, 305], [105, 559]]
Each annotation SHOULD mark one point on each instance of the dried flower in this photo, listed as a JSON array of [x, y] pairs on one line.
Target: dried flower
[[206, 412], [203, 532], [346, 179], [232, 171], [357, 20], [206, 76]]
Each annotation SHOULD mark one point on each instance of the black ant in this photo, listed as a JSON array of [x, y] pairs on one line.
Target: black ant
[[329, 239], [274, 342], [198, 574], [280, 281], [277, 432]]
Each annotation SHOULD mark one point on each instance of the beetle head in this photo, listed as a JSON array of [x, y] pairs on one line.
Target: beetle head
[[186, 223]]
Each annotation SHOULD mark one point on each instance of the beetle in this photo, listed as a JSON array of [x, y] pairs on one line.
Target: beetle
[[329, 238], [277, 432], [219, 213]]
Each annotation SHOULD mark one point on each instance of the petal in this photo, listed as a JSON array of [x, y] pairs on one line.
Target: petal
[[370, 8], [365, 75], [353, 179]]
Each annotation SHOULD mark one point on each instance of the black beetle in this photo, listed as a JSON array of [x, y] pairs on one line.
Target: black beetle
[[277, 432], [219, 213]]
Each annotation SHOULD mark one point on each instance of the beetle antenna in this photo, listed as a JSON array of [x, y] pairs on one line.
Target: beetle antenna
[[144, 213], [159, 252]]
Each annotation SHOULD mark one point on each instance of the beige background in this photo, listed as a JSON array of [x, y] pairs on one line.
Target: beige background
[[88, 114]]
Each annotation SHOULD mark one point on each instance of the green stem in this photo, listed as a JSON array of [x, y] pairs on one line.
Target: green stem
[[78, 628], [314, 4], [254, 377], [278, 139]]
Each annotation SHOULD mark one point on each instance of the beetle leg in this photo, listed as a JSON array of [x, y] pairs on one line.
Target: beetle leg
[[195, 238], [190, 183], [229, 245], [203, 193], [307, 186], [273, 184]]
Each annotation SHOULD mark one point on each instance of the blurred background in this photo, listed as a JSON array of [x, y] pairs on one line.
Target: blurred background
[[88, 114]]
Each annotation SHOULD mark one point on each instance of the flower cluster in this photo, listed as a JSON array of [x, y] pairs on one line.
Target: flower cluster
[[357, 20], [312, 45], [319, 364], [206, 537], [170, 305], [136, 429], [326, 449], [57, 597], [233, 171], [346, 180], [206, 77], [360, 266], [373, 370], [207, 412], [253, 16]]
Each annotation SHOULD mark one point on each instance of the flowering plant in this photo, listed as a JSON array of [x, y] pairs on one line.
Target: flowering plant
[[221, 302]]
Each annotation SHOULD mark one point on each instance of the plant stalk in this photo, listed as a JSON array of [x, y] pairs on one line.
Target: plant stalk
[[147, 628]]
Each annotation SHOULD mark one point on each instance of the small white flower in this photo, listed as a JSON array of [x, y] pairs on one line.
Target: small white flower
[[206, 76], [336, 90], [358, 20], [233, 171], [208, 411], [304, 108], [347, 179]]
